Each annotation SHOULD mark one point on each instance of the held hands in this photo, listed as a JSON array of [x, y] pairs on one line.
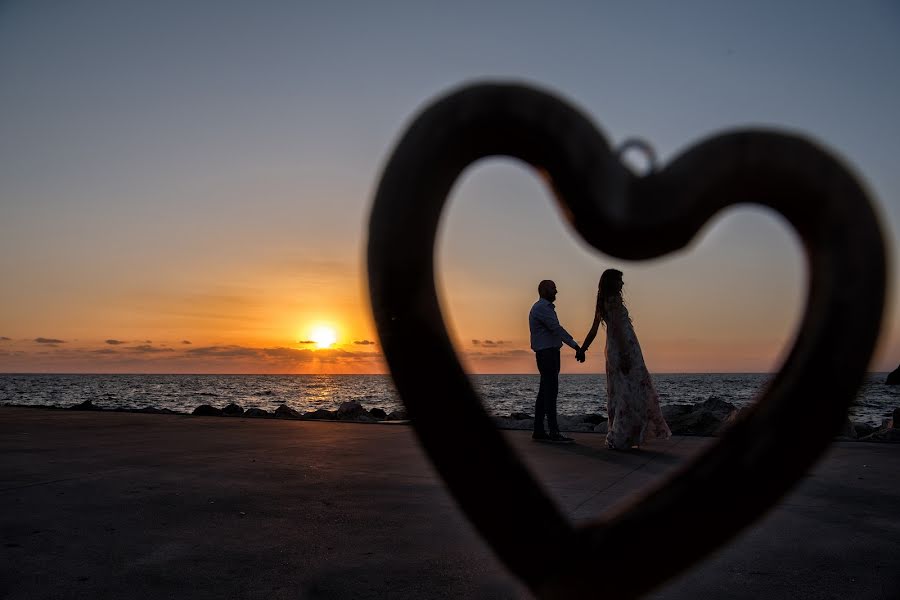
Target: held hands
[[579, 355]]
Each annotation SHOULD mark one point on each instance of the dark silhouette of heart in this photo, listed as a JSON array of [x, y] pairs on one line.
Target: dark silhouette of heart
[[747, 470]]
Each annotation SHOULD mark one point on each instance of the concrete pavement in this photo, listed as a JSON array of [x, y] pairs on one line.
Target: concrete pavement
[[120, 505]]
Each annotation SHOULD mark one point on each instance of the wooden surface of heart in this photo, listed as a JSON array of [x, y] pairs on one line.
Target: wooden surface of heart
[[623, 215]]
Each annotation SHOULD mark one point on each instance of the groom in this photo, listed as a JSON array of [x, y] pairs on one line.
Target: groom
[[547, 337]]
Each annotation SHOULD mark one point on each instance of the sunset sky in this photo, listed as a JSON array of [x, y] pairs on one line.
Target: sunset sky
[[185, 186]]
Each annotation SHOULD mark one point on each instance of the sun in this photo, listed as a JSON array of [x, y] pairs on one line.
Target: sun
[[323, 336]]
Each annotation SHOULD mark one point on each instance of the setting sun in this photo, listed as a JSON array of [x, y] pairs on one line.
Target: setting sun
[[324, 337]]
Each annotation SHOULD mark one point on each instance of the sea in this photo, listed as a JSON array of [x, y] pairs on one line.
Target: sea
[[501, 394]]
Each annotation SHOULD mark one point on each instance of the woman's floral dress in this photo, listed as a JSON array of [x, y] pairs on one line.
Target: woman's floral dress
[[631, 399]]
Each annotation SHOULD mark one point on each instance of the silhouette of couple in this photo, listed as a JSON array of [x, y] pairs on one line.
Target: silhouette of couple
[[631, 399]]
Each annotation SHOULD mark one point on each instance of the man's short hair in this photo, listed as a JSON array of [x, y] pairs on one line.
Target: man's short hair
[[544, 287]]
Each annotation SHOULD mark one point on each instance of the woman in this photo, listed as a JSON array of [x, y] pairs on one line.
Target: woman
[[631, 399]]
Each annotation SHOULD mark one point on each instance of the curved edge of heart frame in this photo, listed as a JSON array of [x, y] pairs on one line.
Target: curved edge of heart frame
[[756, 462]]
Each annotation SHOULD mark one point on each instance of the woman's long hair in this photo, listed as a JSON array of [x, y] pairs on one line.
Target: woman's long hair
[[609, 288]]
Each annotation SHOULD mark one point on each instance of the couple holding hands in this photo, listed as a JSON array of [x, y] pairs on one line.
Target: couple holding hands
[[632, 403]]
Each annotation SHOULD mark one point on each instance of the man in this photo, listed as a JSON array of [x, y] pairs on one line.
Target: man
[[547, 337]]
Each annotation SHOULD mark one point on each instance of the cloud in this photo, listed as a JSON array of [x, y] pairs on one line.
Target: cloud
[[43, 340], [136, 357], [229, 351], [3, 338], [115, 342], [294, 354], [489, 342], [279, 354], [364, 343], [148, 341], [282, 352], [188, 342], [306, 342], [306, 355], [147, 349]]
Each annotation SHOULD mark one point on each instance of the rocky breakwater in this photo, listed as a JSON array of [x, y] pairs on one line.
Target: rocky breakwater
[[714, 416], [592, 423], [150, 410], [347, 411], [708, 418], [888, 432]]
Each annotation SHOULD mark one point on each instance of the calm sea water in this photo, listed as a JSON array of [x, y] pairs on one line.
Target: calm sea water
[[502, 394]]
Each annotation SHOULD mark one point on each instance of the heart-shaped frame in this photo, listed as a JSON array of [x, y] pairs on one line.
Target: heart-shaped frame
[[757, 460]]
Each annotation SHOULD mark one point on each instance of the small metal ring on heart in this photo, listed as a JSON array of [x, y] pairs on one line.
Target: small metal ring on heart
[[628, 216]]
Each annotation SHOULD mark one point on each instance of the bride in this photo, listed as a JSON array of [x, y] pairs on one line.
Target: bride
[[631, 400]]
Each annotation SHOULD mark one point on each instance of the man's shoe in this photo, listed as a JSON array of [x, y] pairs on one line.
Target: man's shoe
[[540, 436], [560, 439]]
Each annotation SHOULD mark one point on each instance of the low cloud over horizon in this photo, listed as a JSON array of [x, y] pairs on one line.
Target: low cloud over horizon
[[119, 356], [103, 357], [148, 349]]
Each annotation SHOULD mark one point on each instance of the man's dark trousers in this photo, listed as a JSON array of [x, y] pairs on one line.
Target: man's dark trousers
[[548, 366]]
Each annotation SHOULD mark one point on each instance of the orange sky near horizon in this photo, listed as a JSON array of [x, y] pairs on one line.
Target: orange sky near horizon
[[266, 327], [234, 317]]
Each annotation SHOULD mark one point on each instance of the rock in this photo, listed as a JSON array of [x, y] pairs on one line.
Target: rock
[[86, 405], [863, 429], [377, 413], [601, 427], [232, 410], [895, 419], [350, 411], [707, 418], [205, 410], [594, 418], [848, 431], [397, 415], [258, 413], [286, 412], [152, 410], [319, 414], [508, 423], [883, 435], [893, 377], [736, 416], [576, 423]]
